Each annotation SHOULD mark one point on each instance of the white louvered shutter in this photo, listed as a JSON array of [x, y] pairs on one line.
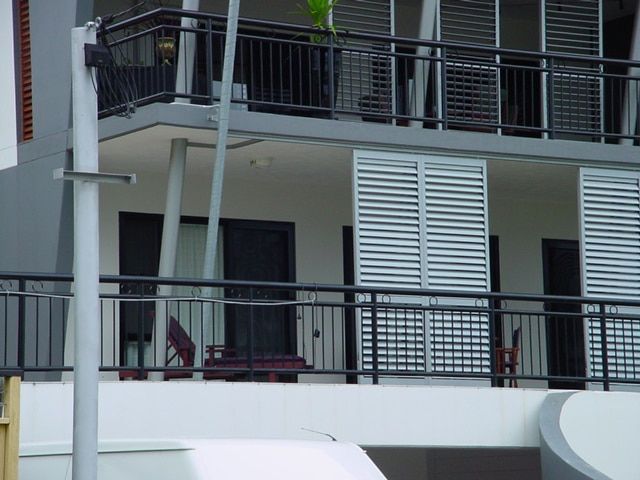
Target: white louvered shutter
[[574, 27], [387, 235], [610, 214], [456, 229], [366, 76], [471, 89], [421, 222]]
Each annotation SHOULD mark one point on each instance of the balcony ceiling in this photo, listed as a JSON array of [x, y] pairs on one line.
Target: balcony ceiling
[[147, 152]]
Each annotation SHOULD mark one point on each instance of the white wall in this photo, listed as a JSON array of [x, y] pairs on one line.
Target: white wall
[[609, 440], [526, 205], [8, 129], [318, 212], [365, 415]]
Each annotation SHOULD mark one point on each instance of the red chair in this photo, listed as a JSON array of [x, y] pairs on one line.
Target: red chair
[[179, 344], [507, 357]]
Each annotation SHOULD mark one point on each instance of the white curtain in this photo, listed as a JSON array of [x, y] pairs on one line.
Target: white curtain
[[189, 260]]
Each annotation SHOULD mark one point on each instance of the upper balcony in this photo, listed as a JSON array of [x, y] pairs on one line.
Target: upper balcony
[[287, 69]]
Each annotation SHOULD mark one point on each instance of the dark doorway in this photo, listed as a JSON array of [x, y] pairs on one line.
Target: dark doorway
[[350, 347], [140, 237], [565, 334], [264, 252]]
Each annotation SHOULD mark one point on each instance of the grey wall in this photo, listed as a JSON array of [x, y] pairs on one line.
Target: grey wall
[[35, 210], [457, 463]]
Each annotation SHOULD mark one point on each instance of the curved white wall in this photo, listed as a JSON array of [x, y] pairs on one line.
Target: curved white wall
[[603, 429]]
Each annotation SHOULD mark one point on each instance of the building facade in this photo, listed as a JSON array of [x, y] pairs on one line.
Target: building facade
[[383, 188]]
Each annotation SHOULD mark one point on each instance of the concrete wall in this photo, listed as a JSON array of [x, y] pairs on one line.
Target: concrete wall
[[385, 416], [8, 129], [318, 212], [457, 464], [609, 440]]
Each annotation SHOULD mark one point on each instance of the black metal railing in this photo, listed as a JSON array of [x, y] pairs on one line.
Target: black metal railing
[[283, 68], [239, 331]]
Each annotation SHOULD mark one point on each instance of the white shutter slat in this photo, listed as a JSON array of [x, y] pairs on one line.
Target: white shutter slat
[[574, 29], [610, 223], [457, 259], [421, 222], [387, 220]]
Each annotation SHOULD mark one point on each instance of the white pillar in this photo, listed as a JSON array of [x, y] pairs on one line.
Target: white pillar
[[169, 247], [86, 262], [186, 52], [421, 67], [211, 245], [629, 115]]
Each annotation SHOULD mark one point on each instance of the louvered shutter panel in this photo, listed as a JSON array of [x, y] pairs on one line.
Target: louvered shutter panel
[[366, 77], [26, 96], [387, 233], [610, 216], [421, 222], [456, 231], [574, 27], [471, 89]]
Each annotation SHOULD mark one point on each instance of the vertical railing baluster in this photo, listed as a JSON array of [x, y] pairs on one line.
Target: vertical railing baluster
[[141, 333], [551, 124], [250, 333], [332, 86], [209, 62], [604, 347], [443, 88], [22, 287], [374, 338], [492, 341]]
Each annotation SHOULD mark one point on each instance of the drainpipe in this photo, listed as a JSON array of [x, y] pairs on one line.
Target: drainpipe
[[211, 246], [169, 247], [186, 53], [421, 67], [629, 116]]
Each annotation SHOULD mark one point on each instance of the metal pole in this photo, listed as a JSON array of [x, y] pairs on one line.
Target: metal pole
[[86, 261], [221, 147], [169, 247], [421, 67], [629, 115], [186, 53]]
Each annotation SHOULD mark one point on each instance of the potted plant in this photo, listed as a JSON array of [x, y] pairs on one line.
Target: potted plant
[[320, 13]]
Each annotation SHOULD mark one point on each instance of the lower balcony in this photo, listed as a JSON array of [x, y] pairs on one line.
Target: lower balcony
[[271, 331]]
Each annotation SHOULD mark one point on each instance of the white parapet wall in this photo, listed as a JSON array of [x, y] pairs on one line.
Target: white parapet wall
[[590, 435], [369, 415]]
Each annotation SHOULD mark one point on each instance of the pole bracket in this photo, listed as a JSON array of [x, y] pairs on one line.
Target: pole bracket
[[97, 177], [213, 115]]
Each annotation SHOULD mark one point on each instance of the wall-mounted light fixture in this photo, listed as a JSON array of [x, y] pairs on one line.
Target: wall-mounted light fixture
[[263, 162], [166, 48]]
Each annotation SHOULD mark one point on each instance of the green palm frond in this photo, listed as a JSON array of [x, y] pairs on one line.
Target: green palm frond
[[318, 11]]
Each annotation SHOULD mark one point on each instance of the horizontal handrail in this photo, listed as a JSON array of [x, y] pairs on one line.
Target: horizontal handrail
[[318, 287], [269, 24]]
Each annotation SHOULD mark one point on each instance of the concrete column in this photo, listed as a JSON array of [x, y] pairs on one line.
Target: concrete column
[[168, 250], [86, 262], [421, 69], [186, 52], [629, 115]]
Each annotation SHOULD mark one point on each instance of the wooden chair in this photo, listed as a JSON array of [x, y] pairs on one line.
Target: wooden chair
[[179, 344], [507, 358]]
